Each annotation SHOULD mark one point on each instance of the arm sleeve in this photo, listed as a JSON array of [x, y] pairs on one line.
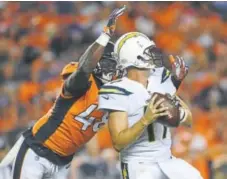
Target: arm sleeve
[[176, 82], [108, 102], [77, 83]]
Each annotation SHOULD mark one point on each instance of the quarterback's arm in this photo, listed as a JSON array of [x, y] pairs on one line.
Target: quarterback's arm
[[115, 101], [120, 133]]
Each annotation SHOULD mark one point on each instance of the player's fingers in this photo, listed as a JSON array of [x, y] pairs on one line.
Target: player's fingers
[[121, 11], [163, 114], [114, 11], [162, 109], [178, 98], [117, 12], [186, 67], [160, 115], [112, 15], [183, 66], [174, 66], [182, 103], [160, 101], [183, 62], [178, 60], [186, 70], [172, 59], [153, 100]]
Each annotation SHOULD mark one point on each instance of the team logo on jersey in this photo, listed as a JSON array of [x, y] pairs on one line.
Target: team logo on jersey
[[165, 75], [106, 97]]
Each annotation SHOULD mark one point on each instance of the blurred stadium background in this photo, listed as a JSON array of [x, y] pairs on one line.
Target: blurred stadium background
[[38, 38]]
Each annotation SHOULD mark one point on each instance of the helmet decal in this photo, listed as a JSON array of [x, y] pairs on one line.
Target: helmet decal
[[128, 36]]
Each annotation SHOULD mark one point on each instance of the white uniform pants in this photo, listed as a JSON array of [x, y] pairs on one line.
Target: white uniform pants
[[28, 165], [173, 168]]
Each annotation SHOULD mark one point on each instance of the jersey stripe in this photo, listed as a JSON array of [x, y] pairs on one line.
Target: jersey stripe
[[124, 169], [150, 130], [165, 132], [114, 90], [19, 161], [129, 36], [59, 111]]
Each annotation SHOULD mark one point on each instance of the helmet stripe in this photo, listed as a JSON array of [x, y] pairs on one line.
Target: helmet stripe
[[128, 36], [114, 90]]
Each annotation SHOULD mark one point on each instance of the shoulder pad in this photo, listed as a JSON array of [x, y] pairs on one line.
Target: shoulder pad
[[111, 89]]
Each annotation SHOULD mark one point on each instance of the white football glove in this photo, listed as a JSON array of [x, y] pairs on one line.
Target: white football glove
[[179, 68]]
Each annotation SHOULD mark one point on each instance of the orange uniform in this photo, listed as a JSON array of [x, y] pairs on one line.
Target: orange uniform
[[70, 123]]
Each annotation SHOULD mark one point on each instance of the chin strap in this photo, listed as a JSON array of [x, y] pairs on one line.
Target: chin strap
[[102, 80]]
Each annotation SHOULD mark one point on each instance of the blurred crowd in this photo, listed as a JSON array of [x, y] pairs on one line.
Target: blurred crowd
[[38, 38]]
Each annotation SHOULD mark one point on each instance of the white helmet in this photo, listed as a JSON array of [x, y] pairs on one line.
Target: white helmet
[[134, 49]]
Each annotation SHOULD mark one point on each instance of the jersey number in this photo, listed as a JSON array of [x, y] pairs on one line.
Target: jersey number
[[150, 131], [82, 117], [151, 135]]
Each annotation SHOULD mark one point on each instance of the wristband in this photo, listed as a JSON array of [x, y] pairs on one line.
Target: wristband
[[182, 115], [103, 39]]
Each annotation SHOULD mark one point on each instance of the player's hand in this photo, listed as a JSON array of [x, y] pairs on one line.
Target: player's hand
[[181, 102], [153, 111], [111, 25], [184, 109], [179, 68]]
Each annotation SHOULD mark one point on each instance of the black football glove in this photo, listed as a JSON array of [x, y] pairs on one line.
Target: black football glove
[[111, 25]]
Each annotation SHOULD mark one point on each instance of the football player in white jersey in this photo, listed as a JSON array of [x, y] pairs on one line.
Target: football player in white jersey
[[144, 145]]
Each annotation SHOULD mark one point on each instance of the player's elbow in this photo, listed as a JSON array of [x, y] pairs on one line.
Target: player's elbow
[[117, 144], [117, 148]]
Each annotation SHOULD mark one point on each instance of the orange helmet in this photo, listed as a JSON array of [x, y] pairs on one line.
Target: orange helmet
[[69, 69]]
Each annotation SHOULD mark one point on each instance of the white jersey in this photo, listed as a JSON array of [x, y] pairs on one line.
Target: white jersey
[[130, 96]]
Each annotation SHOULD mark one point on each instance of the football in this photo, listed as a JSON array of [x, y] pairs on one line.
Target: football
[[173, 119]]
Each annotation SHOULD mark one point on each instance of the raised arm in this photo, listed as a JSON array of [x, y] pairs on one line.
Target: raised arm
[[179, 70], [78, 82]]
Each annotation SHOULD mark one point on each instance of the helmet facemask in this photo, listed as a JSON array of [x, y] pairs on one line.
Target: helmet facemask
[[152, 55], [106, 69]]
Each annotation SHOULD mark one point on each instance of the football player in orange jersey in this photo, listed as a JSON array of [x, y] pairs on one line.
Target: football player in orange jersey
[[48, 147]]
